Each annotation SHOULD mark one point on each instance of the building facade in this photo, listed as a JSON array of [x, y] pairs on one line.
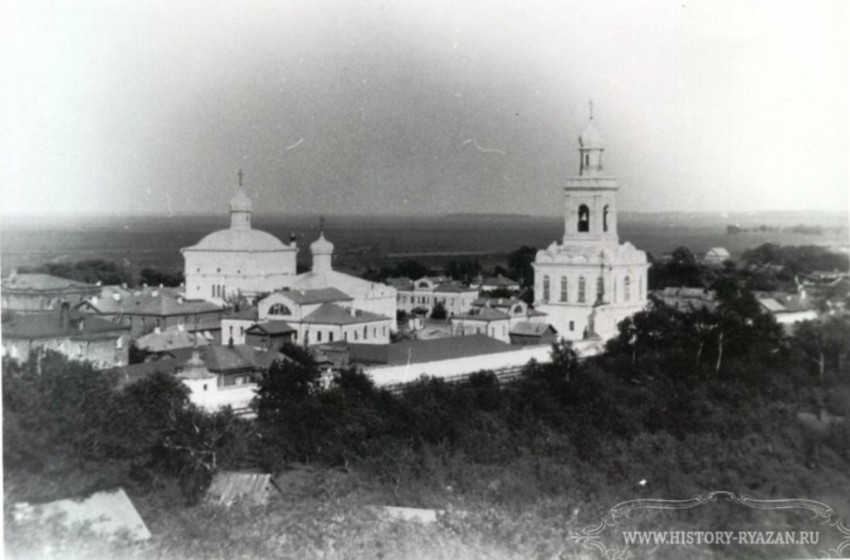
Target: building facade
[[239, 261], [35, 293], [588, 282]]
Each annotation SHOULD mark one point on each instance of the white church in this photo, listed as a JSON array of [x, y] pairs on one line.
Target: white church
[[242, 261], [588, 282]]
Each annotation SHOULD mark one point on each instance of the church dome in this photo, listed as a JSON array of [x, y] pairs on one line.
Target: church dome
[[590, 138], [240, 240], [240, 202], [321, 246]]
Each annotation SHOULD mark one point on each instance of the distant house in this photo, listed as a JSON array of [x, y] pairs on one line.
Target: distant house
[[494, 317], [324, 315], [498, 282], [145, 309], [32, 293], [428, 291], [78, 336], [234, 324], [716, 256], [526, 333], [787, 309], [270, 334]]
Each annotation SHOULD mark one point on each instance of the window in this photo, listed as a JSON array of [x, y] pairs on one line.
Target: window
[[205, 386], [572, 325], [564, 288], [581, 289], [345, 335], [518, 310], [583, 218], [600, 289], [627, 288], [384, 330], [355, 335], [212, 289], [318, 336], [545, 288], [330, 336], [605, 218], [365, 332], [119, 343], [279, 309]]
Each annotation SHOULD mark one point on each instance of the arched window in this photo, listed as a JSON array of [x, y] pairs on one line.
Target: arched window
[[627, 288], [545, 288], [605, 218], [581, 289], [279, 309], [583, 218], [365, 332], [564, 288], [518, 310], [600, 289]]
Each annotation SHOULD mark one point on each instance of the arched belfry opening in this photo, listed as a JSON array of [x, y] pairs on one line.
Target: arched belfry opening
[[583, 219], [605, 219]]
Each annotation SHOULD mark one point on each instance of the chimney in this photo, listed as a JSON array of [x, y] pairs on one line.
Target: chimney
[[64, 315]]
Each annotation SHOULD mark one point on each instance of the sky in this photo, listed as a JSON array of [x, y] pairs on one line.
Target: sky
[[421, 107]]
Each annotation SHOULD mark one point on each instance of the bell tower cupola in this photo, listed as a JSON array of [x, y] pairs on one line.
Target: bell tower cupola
[[240, 208]]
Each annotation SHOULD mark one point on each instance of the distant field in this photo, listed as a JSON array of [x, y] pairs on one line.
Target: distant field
[[364, 241]]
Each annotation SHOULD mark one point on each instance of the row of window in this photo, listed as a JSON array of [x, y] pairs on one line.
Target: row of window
[[582, 289], [355, 334], [217, 290]]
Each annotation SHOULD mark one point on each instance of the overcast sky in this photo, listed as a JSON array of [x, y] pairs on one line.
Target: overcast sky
[[426, 106]]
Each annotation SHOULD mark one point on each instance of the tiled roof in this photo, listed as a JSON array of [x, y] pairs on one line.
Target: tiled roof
[[319, 295], [49, 325], [225, 358], [44, 283], [271, 327], [330, 314]]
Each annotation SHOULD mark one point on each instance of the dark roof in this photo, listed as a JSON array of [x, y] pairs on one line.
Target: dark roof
[[45, 283], [499, 281], [525, 328], [157, 302], [485, 314], [403, 283], [330, 314], [79, 326], [318, 295], [453, 287], [497, 302], [420, 351], [247, 314], [271, 327]]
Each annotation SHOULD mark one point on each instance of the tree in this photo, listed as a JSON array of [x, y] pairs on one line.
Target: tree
[[519, 264], [154, 277], [439, 311]]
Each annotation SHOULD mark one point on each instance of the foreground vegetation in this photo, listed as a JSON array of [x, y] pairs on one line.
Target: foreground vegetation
[[680, 404]]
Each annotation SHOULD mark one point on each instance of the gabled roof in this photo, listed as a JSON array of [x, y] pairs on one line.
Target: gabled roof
[[45, 283], [330, 314], [50, 325], [526, 328], [226, 358], [346, 283], [717, 252], [271, 328], [318, 295]]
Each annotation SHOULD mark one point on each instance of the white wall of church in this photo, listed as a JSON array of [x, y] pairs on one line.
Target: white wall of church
[[216, 275]]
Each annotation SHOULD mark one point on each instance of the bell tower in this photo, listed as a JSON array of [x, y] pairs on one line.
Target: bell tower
[[590, 198]]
